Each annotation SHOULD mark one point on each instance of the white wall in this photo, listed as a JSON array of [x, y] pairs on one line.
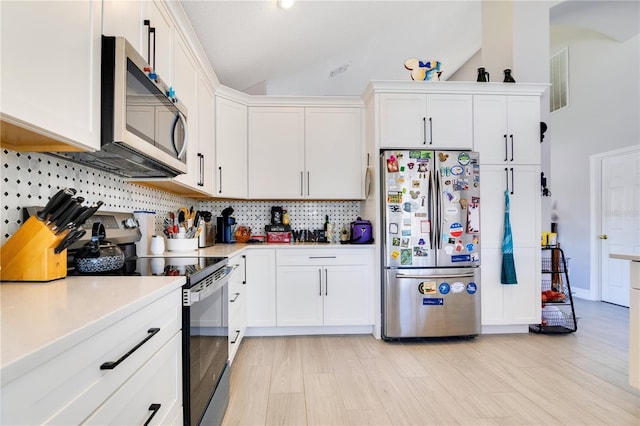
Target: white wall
[[603, 111]]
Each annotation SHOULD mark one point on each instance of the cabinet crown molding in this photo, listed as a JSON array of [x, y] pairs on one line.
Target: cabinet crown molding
[[453, 87]]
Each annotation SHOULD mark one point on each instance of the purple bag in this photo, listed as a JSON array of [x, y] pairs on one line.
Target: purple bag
[[361, 232]]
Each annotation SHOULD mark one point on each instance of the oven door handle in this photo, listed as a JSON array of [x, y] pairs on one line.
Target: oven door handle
[[189, 297]]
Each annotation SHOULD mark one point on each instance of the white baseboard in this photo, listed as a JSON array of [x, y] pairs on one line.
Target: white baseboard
[[505, 329], [582, 293], [308, 331]]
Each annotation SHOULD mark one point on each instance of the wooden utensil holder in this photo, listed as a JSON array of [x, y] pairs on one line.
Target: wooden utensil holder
[[28, 255]]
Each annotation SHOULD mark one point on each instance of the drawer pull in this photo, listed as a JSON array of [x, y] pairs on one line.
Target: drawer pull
[[154, 408], [110, 365], [235, 298], [322, 257], [235, 339]]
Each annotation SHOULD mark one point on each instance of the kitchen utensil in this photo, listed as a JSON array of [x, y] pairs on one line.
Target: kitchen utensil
[[98, 255], [69, 239], [54, 202]]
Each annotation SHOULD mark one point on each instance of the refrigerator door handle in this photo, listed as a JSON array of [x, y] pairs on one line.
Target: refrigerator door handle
[[424, 277], [439, 207], [432, 230]]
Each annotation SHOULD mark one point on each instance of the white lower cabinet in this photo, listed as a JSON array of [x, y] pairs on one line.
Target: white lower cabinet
[[323, 288], [152, 396], [237, 304], [261, 287], [507, 304], [74, 386]]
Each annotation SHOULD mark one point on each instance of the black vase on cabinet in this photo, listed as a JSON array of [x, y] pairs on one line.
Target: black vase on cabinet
[[507, 76]]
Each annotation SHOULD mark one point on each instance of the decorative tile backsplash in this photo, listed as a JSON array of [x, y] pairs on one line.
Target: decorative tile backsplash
[[29, 179]]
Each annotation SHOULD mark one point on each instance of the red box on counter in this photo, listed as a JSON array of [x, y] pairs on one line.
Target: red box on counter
[[278, 237]]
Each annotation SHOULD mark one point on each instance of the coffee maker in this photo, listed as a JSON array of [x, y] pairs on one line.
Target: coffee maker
[[225, 229]]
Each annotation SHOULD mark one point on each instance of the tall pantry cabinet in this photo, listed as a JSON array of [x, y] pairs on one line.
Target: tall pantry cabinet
[[501, 122]]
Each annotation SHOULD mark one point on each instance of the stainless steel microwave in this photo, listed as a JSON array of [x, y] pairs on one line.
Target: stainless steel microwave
[[143, 124]]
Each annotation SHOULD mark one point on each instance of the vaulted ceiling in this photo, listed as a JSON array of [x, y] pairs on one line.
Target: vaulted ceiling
[[335, 47]]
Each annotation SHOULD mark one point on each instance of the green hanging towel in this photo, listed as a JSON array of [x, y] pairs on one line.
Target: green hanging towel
[[508, 274]]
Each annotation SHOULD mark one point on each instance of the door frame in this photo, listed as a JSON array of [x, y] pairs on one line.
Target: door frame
[[595, 162]]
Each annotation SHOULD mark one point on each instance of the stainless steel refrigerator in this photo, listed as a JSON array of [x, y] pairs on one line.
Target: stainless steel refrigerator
[[431, 243]]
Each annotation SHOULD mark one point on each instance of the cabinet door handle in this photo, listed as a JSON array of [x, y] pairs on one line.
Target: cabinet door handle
[[430, 131], [244, 257], [319, 282], [235, 298], [322, 257], [110, 365], [326, 282], [506, 173], [506, 149], [201, 169], [154, 408], [220, 179], [513, 183], [235, 339], [308, 183], [301, 183], [511, 137], [424, 130]]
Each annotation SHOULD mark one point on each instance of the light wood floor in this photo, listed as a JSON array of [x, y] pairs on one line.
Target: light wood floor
[[531, 379]]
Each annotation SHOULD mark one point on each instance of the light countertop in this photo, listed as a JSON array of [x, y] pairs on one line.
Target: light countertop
[[41, 320], [230, 250], [631, 257]]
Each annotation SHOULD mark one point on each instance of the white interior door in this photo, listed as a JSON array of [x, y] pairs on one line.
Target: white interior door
[[620, 222]]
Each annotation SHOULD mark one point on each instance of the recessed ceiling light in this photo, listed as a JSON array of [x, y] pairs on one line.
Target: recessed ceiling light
[[285, 4]]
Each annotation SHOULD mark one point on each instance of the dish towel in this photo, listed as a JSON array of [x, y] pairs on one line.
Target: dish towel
[[508, 274]]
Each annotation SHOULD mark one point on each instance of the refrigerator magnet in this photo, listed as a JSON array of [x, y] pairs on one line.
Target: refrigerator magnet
[[414, 194], [395, 254], [392, 164], [393, 228], [425, 226], [463, 158], [457, 170], [395, 241], [420, 252], [457, 287], [405, 257], [427, 287], [405, 242]]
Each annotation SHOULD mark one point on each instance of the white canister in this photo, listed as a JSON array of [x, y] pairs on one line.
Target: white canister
[[157, 244]]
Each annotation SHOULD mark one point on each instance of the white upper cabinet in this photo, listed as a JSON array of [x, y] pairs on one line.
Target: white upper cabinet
[[276, 152], [305, 153], [231, 149], [51, 54], [127, 19], [186, 78], [334, 153], [507, 129], [206, 138], [426, 121]]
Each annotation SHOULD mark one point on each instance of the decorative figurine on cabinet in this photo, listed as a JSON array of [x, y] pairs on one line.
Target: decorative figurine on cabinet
[[427, 70]]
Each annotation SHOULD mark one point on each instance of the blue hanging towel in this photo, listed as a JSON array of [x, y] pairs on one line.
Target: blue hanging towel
[[508, 274]]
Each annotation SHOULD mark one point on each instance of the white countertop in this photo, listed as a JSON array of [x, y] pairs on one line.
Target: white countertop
[[41, 320], [631, 257], [230, 250]]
